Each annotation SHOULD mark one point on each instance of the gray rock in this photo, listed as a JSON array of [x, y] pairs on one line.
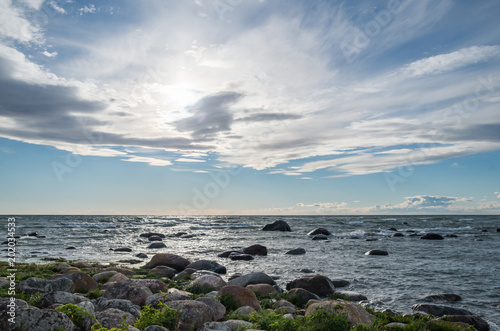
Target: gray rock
[[155, 285], [171, 295], [252, 278], [123, 249], [38, 285], [317, 284], [227, 253], [340, 283], [170, 260], [87, 305], [301, 296], [398, 234], [208, 283], [60, 297], [193, 314], [129, 290], [208, 265], [296, 251], [150, 234], [235, 324], [395, 325], [102, 277], [244, 311], [217, 308], [101, 304], [319, 231], [277, 226], [155, 328], [112, 318], [155, 238], [320, 237], [255, 250], [156, 244], [163, 271], [31, 319], [214, 326], [141, 256], [439, 311], [306, 271]]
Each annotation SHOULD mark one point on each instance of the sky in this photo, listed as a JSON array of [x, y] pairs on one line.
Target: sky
[[249, 107]]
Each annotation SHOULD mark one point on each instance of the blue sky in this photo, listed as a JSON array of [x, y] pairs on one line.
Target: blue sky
[[249, 107]]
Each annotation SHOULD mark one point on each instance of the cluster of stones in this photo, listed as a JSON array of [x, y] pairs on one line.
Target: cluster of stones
[[125, 293]]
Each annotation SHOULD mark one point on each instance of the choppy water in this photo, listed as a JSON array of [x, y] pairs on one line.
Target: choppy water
[[468, 265]]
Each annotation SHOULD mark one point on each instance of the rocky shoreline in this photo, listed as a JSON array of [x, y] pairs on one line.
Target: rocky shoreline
[[173, 293]]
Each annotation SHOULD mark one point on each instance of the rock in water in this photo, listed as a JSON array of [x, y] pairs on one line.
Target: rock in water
[[321, 231], [320, 285], [150, 234], [443, 297], [296, 251], [170, 260], [398, 234], [439, 311], [156, 244], [320, 237], [255, 250], [376, 252], [207, 265], [277, 226], [476, 321], [432, 236], [123, 249], [239, 257]]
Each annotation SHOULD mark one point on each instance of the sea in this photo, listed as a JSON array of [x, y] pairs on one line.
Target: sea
[[467, 265]]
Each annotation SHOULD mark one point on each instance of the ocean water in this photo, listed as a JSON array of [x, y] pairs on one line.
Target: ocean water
[[468, 265]]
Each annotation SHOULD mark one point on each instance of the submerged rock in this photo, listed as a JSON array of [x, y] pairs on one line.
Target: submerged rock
[[443, 297], [398, 234], [123, 249], [321, 231], [277, 226], [296, 251], [150, 234], [432, 236], [227, 253], [141, 256], [376, 252], [238, 257], [255, 250], [155, 238], [156, 244], [321, 237]]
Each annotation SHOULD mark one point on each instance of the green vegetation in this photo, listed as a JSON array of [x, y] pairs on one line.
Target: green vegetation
[[27, 270], [165, 316], [228, 301], [94, 294], [76, 314]]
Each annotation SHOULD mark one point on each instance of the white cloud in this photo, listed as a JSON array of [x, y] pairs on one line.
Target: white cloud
[[498, 196], [90, 9], [56, 7], [13, 24], [48, 54], [182, 159], [149, 160], [450, 61]]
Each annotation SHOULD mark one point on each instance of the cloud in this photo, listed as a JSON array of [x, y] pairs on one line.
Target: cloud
[[149, 160], [14, 25], [210, 116], [90, 9], [451, 61], [48, 54], [498, 196], [266, 117], [430, 201]]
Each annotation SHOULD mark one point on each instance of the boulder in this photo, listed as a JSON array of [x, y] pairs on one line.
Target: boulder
[[129, 290], [355, 313], [318, 231], [208, 283], [476, 321], [296, 251], [33, 234], [171, 295], [252, 278], [112, 318], [150, 234], [101, 304], [141, 256], [437, 310], [432, 236], [192, 314], [170, 260], [61, 298], [306, 271], [163, 271], [155, 285], [31, 318], [377, 252], [397, 234], [103, 277], [123, 249], [277, 226], [450, 235], [38, 285], [87, 305], [240, 257], [207, 265], [83, 282], [262, 290], [443, 297], [320, 285], [156, 244], [300, 297], [351, 295], [218, 309], [242, 296], [238, 324], [117, 277], [186, 273], [255, 250]]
